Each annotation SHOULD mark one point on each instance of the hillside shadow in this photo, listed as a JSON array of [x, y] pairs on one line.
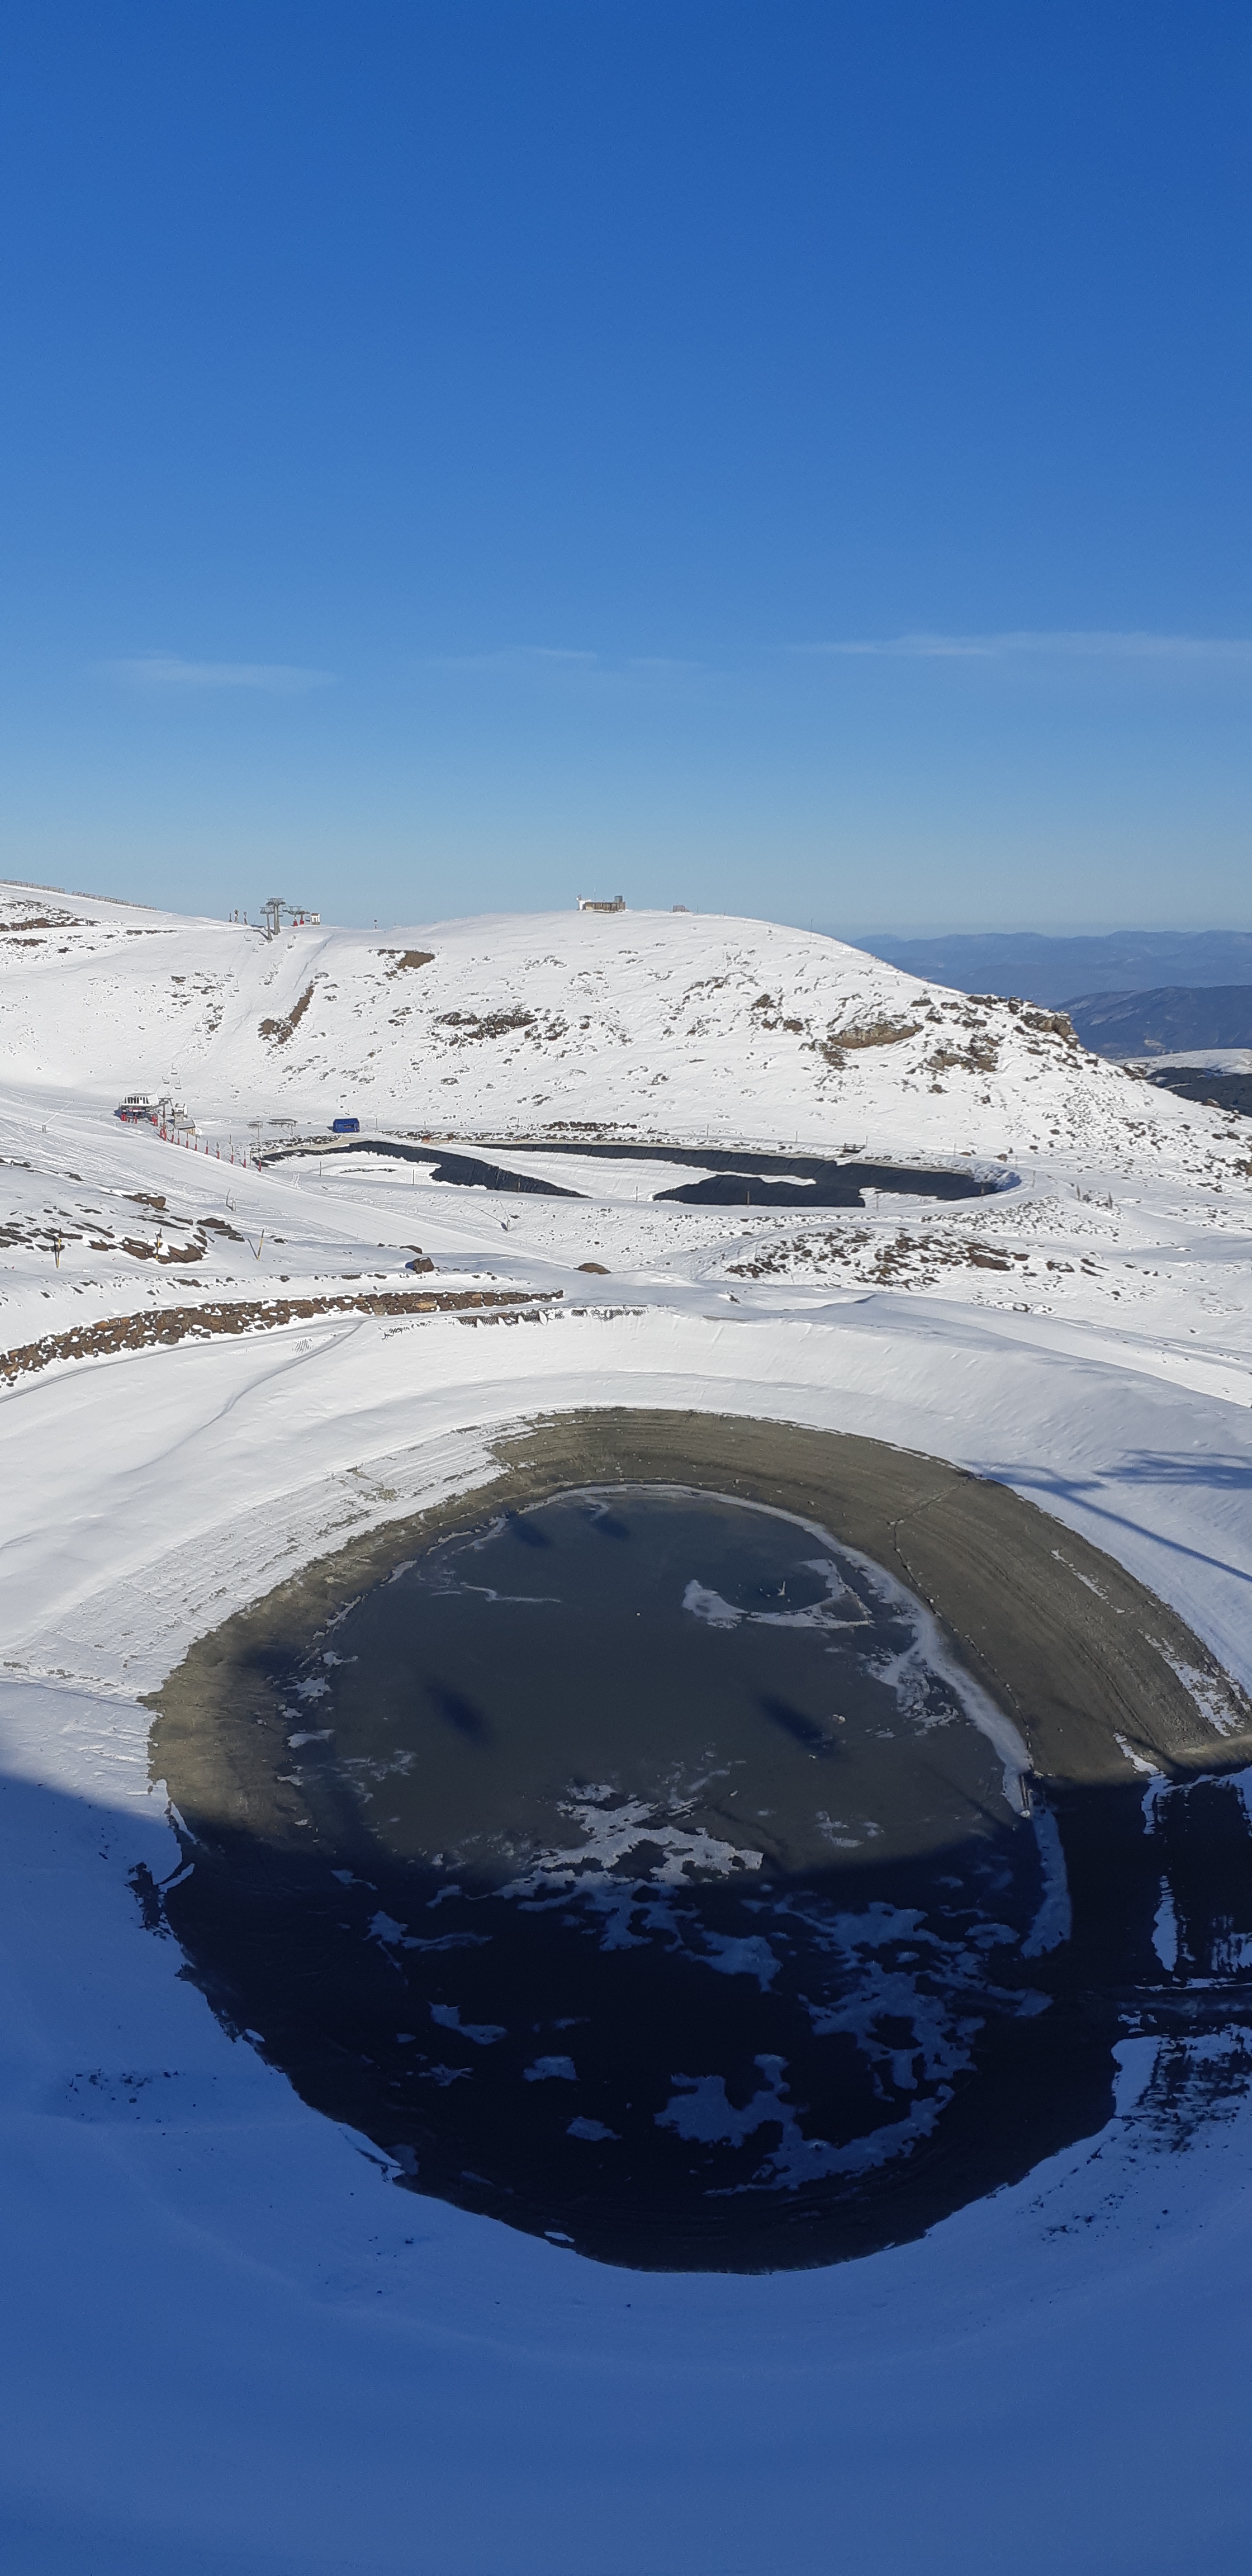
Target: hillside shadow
[[1215, 1475], [782, 2071]]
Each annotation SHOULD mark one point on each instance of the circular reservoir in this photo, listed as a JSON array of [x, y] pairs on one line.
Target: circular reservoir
[[648, 1866]]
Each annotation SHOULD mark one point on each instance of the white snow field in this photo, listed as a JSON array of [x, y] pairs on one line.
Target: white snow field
[[1201, 1060], [231, 2343]]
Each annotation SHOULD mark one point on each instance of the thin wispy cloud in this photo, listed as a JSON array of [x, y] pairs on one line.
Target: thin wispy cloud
[[559, 661], [170, 675], [516, 657], [1074, 644]]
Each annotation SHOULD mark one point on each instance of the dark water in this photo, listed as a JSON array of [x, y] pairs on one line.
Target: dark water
[[689, 1691], [661, 1889]]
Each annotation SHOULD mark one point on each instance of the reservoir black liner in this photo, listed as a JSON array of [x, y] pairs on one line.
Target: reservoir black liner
[[733, 1179]]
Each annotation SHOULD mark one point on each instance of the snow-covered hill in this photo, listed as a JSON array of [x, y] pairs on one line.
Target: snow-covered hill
[[1121, 1204], [656, 1025]]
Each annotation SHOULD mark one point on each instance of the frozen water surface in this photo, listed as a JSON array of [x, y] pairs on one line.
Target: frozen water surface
[[658, 1875]]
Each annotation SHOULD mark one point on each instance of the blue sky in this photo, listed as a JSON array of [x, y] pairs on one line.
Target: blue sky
[[784, 458]]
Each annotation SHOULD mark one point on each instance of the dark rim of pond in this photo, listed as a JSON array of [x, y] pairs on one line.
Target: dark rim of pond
[[647, 1866], [748, 1179]]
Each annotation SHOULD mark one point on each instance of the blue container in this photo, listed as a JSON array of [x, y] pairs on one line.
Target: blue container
[[345, 1126]]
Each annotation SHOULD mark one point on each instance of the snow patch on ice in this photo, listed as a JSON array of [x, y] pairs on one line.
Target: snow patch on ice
[[709, 1606], [483, 2033], [1165, 1930]]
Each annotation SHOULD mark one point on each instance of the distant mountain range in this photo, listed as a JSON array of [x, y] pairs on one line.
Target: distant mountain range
[[1039, 969], [1176, 1019]]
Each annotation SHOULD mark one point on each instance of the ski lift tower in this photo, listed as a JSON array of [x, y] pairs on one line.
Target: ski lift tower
[[276, 910]]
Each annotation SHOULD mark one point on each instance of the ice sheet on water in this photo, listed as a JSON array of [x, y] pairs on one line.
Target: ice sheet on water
[[931, 1689], [709, 1606], [700, 2110], [612, 1833]]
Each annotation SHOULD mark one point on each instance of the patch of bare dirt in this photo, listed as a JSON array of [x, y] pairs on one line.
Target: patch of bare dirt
[[280, 1030], [467, 1025], [201, 1323]]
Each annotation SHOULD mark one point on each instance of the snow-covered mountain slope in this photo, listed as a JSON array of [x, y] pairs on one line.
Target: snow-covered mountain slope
[[1121, 1204], [654, 1025], [211, 1374]]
